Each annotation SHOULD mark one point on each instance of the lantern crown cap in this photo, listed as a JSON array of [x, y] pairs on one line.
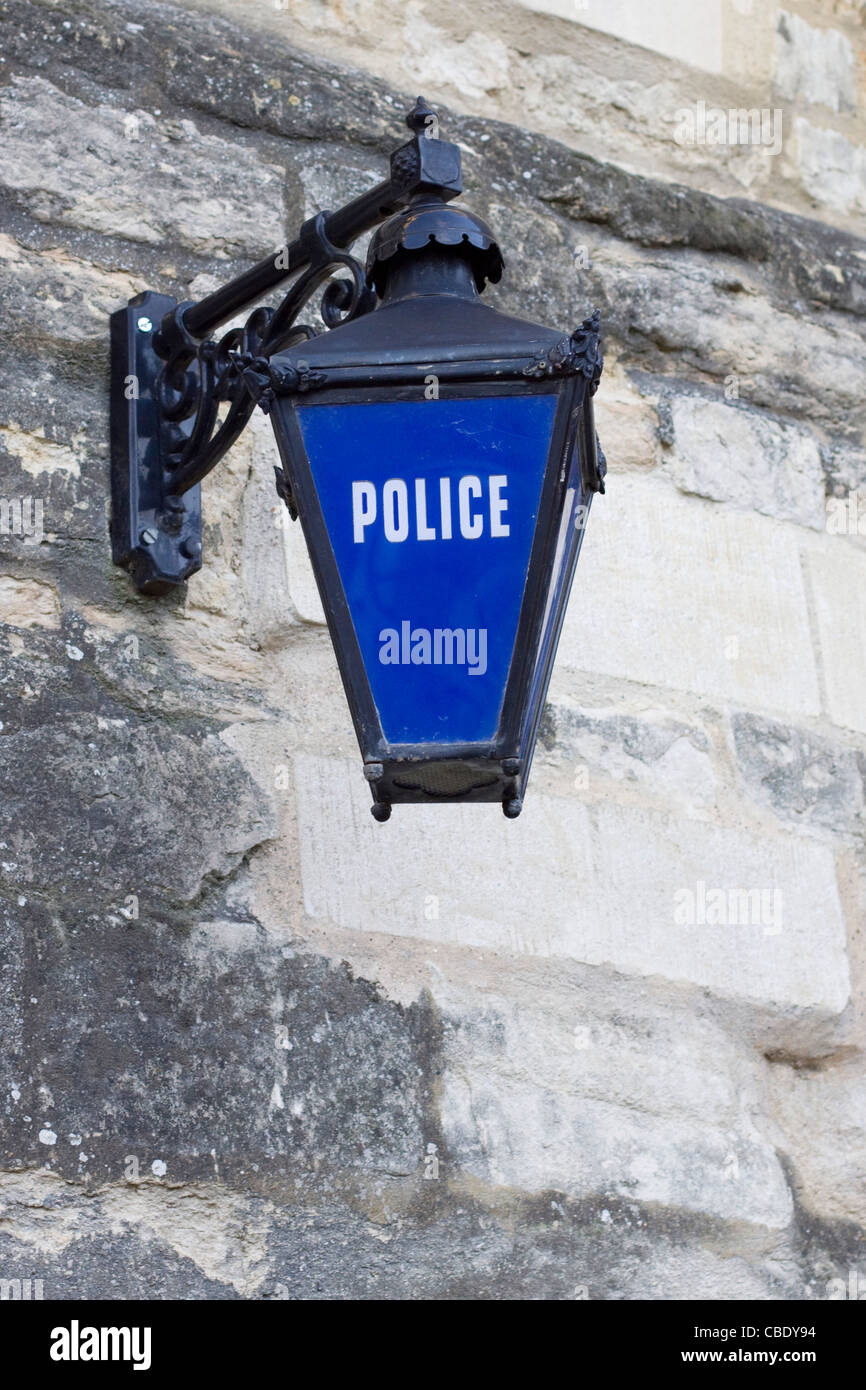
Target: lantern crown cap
[[432, 222]]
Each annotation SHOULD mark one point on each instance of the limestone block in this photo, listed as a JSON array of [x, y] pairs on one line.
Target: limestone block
[[832, 167], [558, 884], [675, 592], [649, 1104], [830, 1107], [28, 603], [805, 778], [477, 64], [814, 65], [664, 757], [131, 174], [672, 27], [732, 454], [838, 577]]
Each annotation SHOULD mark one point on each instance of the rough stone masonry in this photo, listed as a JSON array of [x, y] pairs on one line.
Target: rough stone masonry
[[255, 1045]]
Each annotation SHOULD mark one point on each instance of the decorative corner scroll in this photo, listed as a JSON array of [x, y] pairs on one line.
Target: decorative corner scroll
[[264, 381], [600, 465], [580, 355], [284, 491]]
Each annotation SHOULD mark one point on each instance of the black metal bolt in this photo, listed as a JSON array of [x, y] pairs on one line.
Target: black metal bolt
[[380, 811], [512, 807], [171, 518]]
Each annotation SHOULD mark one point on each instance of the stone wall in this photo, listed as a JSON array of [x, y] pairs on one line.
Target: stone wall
[[618, 78], [256, 1045]]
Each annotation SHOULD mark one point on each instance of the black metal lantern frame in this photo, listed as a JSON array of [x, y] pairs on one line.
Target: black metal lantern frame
[[180, 399], [496, 770]]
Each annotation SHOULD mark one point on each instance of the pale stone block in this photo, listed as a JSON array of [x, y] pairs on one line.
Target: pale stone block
[[730, 454], [805, 778], [674, 592], [303, 590], [627, 423], [830, 1108], [28, 603], [267, 611], [838, 577], [676, 28], [476, 65], [525, 1136], [597, 1088], [587, 749], [600, 884], [814, 65], [130, 174], [832, 168], [63, 297], [38, 455]]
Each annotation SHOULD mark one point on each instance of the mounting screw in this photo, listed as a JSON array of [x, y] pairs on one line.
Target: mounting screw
[[191, 548], [511, 766], [149, 536], [144, 324], [373, 771]]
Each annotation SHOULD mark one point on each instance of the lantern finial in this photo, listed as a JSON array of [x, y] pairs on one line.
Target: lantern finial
[[423, 120]]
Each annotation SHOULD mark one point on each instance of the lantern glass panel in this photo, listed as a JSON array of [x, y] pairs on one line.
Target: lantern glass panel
[[571, 527], [431, 508]]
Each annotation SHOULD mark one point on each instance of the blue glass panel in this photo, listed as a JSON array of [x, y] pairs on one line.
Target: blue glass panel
[[572, 528], [431, 509]]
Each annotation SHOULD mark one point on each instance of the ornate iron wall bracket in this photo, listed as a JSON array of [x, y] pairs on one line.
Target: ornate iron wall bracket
[[160, 544], [181, 398]]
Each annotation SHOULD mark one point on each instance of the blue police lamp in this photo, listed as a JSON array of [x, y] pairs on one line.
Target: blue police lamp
[[441, 457]]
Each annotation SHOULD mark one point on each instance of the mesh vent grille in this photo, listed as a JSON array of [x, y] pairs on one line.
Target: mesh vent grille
[[445, 779]]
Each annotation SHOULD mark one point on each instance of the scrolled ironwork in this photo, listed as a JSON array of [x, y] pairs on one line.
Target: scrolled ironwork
[[200, 377], [579, 354]]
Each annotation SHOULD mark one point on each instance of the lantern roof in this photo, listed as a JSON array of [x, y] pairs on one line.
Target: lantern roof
[[425, 330]]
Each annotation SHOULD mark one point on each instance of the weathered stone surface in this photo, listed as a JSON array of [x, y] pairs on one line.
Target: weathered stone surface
[[735, 455], [655, 752], [737, 628], [540, 903], [803, 777], [833, 168], [612, 81], [219, 1058], [28, 603], [565, 1073], [830, 1104], [845, 466], [814, 65], [148, 1241], [719, 327], [101, 801], [838, 576], [133, 175]]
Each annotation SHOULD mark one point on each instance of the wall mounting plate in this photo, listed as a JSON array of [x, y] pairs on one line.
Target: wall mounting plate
[[157, 538]]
